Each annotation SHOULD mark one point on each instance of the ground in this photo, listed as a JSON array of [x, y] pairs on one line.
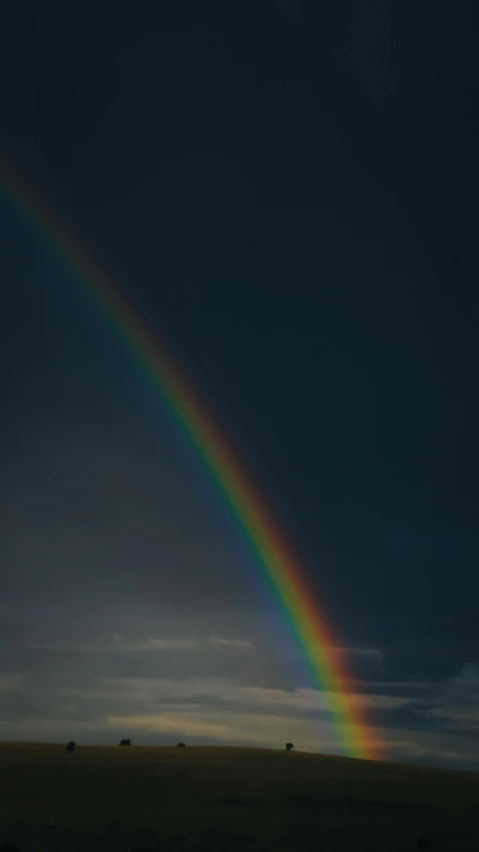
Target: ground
[[215, 798]]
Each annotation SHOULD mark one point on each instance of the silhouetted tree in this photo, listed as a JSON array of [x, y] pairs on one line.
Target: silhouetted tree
[[125, 742], [71, 746], [180, 745], [289, 746]]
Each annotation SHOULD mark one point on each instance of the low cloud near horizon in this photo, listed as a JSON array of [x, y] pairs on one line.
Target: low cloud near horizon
[[99, 678]]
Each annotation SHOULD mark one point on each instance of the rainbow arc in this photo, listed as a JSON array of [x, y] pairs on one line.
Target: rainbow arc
[[284, 574]]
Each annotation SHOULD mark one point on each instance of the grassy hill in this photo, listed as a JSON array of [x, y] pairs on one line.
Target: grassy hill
[[216, 798]]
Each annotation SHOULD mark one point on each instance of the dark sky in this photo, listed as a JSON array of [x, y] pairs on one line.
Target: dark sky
[[287, 192]]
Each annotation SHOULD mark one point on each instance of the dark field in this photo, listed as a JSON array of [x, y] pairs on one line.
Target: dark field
[[168, 798]]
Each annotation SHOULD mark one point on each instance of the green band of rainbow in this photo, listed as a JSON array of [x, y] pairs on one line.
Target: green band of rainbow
[[281, 568]]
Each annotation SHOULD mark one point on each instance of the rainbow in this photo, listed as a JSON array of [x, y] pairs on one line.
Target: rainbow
[[281, 568]]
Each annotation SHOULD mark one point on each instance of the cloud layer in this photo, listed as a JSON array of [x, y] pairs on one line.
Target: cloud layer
[[217, 678]]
